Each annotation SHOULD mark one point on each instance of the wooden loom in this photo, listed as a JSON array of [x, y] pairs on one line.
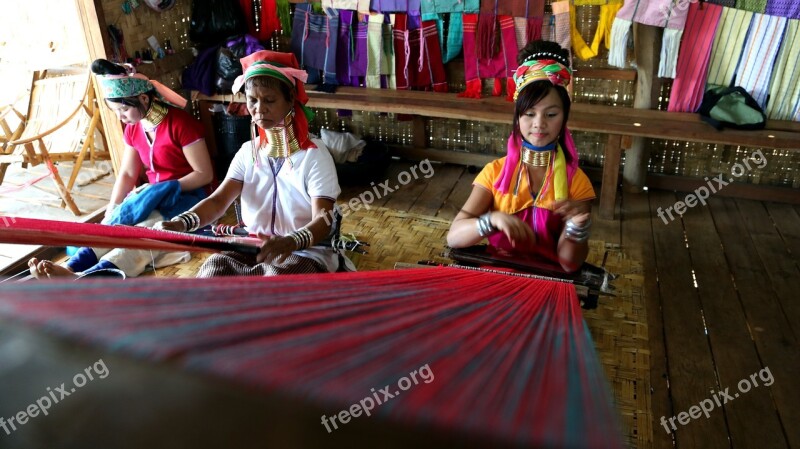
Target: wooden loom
[[513, 361]]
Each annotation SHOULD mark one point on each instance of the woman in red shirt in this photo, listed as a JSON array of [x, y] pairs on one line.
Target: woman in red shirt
[[169, 145]]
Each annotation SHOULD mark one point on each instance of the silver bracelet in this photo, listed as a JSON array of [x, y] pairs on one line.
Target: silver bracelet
[[302, 238], [190, 219], [577, 234], [485, 227]]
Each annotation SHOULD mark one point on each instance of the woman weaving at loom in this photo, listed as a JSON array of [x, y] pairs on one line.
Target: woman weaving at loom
[[286, 180], [169, 144], [534, 201]]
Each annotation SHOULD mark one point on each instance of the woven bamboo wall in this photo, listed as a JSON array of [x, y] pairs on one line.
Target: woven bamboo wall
[[143, 22]]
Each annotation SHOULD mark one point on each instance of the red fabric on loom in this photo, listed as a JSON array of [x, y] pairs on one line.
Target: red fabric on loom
[[33, 231], [268, 22], [511, 359]]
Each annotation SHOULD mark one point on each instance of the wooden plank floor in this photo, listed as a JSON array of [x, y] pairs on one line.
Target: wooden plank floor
[[723, 323]]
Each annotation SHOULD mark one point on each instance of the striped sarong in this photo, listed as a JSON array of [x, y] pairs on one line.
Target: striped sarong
[[784, 101], [351, 55], [380, 53], [231, 263], [692, 67], [314, 41], [728, 45], [760, 49]]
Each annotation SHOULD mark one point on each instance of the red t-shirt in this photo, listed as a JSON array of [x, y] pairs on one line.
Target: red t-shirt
[[173, 134]]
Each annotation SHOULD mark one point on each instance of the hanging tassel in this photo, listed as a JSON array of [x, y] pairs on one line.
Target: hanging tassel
[[511, 87], [473, 90], [285, 16], [497, 89], [617, 55], [670, 45]]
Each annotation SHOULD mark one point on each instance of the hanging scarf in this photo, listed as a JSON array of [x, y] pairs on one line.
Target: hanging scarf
[[283, 67], [728, 44], [499, 66], [784, 99], [760, 49], [690, 79], [125, 86], [562, 31], [667, 14], [351, 54], [314, 41], [418, 59], [263, 15], [608, 10]]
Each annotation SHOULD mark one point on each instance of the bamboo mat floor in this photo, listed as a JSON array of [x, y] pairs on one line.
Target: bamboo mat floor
[[618, 326]]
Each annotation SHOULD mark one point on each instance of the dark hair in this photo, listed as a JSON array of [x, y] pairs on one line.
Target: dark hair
[[270, 83], [534, 92], [105, 67]]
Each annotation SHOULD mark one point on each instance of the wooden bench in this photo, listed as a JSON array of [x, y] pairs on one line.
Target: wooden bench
[[620, 124]]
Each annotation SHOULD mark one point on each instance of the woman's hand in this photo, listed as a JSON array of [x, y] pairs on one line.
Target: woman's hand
[[275, 249], [177, 226], [517, 231], [571, 209]]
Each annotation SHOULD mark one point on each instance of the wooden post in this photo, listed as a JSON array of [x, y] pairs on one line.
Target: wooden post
[[91, 14], [647, 42], [608, 190]]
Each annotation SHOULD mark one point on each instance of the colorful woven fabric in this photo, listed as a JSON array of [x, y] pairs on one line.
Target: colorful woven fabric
[[608, 10], [728, 3], [668, 14], [399, 6], [728, 45], [351, 56], [262, 26], [314, 41], [418, 58], [380, 53], [758, 6], [446, 6], [783, 8], [784, 101], [562, 28], [760, 49], [692, 68], [500, 65], [527, 30], [503, 360]]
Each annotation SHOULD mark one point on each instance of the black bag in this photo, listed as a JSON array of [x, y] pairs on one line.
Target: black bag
[[731, 107], [215, 20], [228, 68]]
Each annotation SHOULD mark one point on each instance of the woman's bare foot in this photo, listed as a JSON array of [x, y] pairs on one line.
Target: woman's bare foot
[[47, 269]]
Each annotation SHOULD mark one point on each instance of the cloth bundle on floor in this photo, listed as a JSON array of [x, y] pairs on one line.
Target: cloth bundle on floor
[[314, 41], [784, 102], [667, 14], [690, 80], [505, 360]]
